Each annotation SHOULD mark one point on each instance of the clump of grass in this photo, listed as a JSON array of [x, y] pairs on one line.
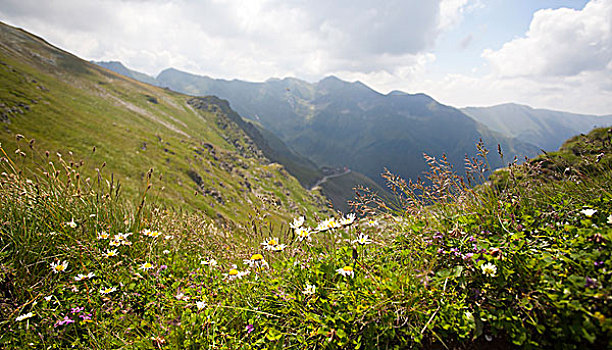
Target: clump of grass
[[516, 262]]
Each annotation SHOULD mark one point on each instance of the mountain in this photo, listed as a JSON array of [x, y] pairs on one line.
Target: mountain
[[118, 67], [337, 123], [544, 128], [202, 155]]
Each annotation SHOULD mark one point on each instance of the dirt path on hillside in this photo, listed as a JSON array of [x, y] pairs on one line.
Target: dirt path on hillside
[[327, 177]]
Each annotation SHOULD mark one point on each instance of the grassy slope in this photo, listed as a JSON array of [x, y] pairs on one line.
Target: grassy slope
[[73, 105], [469, 268]]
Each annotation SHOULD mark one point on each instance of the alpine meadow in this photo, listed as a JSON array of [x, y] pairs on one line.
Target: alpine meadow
[[187, 212]]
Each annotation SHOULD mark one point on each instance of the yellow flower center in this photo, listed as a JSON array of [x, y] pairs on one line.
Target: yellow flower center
[[257, 257], [272, 242], [233, 272], [347, 268]]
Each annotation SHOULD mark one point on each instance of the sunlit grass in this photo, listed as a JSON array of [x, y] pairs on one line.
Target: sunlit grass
[[523, 262]]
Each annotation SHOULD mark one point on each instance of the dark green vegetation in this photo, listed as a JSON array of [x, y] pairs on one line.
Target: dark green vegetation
[[543, 128], [526, 263], [201, 157]]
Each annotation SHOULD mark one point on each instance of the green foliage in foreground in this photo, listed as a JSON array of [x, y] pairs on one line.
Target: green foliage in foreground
[[525, 265]]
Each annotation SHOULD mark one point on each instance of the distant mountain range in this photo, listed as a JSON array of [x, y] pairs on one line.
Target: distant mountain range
[[544, 128], [334, 123]]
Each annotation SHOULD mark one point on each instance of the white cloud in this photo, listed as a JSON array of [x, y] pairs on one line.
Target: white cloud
[[563, 62], [244, 39], [561, 42]]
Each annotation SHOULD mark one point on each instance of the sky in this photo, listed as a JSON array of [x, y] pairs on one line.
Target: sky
[[554, 54]]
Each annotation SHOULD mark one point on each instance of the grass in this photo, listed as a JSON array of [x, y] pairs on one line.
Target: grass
[[71, 107], [524, 262]]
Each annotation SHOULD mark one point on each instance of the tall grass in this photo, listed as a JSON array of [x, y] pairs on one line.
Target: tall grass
[[517, 260]]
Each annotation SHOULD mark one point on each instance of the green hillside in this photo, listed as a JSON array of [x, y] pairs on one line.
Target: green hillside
[[114, 255], [200, 157]]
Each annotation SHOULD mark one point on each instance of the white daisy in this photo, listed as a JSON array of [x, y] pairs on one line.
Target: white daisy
[[346, 271], [362, 239], [272, 244], [200, 304], [107, 290], [489, 269], [297, 223], [234, 273], [310, 289], [303, 233], [257, 261], [146, 266], [328, 224], [81, 277], [110, 253], [59, 266], [71, 223], [103, 235], [588, 212], [347, 220]]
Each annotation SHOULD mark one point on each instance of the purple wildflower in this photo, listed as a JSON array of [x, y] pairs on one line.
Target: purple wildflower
[[76, 310], [590, 283], [249, 328], [65, 321], [85, 317]]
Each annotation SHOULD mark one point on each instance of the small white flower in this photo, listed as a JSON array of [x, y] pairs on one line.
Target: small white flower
[[81, 277], [257, 261], [48, 297], [489, 269], [328, 224], [211, 262], [347, 220], [362, 239], [310, 289], [346, 271], [58, 267], [110, 253], [149, 233], [181, 296], [372, 223], [107, 290], [610, 219], [200, 304], [146, 266], [24, 317], [588, 212], [303, 233], [103, 235], [71, 223], [234, 273], [166, 251], [297, 223], [272, 244]]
